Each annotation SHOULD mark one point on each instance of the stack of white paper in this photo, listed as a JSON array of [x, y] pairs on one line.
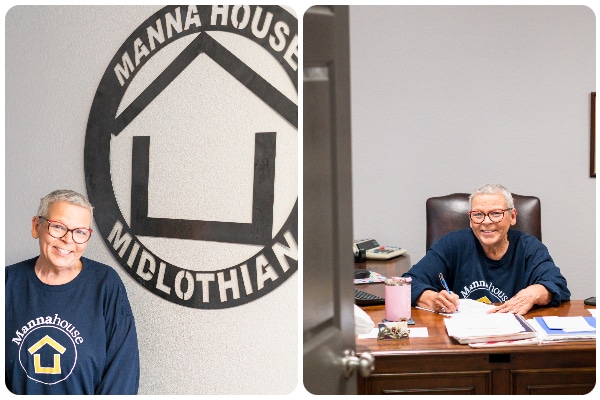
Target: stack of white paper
[[478, 327]]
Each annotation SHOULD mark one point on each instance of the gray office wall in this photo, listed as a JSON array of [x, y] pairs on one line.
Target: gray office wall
[[55, 59], [445, 98]]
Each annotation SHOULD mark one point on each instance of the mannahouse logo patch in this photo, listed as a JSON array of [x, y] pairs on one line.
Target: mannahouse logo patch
[[191, 153], [48, 348]]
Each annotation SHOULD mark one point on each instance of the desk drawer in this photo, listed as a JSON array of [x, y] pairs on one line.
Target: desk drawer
[[464, 382], [575, 381]]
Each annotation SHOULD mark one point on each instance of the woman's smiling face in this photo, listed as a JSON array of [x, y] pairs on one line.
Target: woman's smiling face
[[61, 253], [492, 235]]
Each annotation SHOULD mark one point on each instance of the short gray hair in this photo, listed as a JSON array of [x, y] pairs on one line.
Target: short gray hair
[[494, 188], [68, 196]]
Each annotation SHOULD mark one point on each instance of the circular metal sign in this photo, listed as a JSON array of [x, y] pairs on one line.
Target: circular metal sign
[[191, 154]]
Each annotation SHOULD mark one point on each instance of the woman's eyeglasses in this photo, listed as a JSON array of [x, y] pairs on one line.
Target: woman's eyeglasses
[[495, 215], [58, 230]]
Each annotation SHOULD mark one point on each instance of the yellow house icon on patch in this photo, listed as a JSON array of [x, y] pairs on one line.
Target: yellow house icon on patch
[[37, 359]]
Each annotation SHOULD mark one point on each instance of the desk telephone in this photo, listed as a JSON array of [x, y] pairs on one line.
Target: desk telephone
[[373, 251]]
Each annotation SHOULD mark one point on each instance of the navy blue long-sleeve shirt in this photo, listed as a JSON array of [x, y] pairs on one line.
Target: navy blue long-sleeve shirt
[[76, 338], [472, 275]]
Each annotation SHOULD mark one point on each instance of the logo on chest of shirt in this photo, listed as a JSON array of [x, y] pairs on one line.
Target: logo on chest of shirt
[[484, 290], [191, 154], [48, 349]]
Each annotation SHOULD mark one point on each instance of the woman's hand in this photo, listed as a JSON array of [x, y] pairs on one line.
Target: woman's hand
[[441, 302], [523, 301]]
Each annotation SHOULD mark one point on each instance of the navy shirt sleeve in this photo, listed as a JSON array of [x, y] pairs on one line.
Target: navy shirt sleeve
[[540, 269], [438, 259], [121, 373]]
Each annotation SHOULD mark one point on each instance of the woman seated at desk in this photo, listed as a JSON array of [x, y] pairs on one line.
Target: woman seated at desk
[[488, 262]]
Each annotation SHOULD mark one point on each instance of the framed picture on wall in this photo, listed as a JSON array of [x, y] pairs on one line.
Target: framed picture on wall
[[593, 136]]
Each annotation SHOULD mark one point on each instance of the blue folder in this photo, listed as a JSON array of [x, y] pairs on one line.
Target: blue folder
[[589, 320]]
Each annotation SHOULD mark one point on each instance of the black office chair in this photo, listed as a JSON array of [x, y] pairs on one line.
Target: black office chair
[[449, 213]]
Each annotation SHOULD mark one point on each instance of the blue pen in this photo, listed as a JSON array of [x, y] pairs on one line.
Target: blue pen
[[444, 284]]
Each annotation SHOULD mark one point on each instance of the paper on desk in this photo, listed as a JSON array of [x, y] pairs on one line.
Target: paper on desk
[[592, 311], [467, 306], [482, 325], [503, 343], [568, 324], [413, 333], [546, 335], [472, 307], [418, 332]]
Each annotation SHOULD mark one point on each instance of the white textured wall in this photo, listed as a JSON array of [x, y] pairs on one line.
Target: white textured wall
[[445, 98], [55, 58]]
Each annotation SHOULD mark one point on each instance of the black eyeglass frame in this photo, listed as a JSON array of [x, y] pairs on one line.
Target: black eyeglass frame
[[488, 215], [49, 221]]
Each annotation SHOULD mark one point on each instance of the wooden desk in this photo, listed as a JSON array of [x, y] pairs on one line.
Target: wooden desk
[[388, 268], [439, 365]]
